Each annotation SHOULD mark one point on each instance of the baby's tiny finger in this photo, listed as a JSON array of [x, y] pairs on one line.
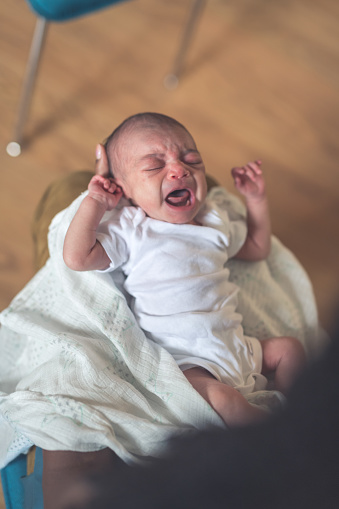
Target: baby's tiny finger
[[253, 171], [112, 187], [237, 171], [250, 172], [106, 184], [255, 166]]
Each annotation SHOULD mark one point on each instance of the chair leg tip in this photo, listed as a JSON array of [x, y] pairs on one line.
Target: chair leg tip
[[13, 149], [171, 81]]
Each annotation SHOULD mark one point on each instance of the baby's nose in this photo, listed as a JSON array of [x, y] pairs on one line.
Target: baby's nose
[[177, 171]]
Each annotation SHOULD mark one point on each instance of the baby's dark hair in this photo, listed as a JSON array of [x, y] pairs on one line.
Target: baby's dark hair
[[147, 119]]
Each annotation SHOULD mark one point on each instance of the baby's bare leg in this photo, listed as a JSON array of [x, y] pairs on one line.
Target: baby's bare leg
[[284, 356], [232, 407]]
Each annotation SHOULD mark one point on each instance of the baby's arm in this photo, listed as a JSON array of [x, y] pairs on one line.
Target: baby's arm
[[82, 251], [250, 183]]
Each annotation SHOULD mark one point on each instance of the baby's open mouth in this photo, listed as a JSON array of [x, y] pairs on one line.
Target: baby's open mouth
[[179, 198]]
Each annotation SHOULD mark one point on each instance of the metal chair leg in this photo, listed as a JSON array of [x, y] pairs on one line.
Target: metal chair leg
[[14, 147], [172, 79]]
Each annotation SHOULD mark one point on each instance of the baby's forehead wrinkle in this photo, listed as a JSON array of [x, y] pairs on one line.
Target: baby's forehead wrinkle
[[139, 142], [152, 155], [161, 155]]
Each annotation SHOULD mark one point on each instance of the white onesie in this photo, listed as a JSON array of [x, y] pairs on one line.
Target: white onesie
[[181, 294]]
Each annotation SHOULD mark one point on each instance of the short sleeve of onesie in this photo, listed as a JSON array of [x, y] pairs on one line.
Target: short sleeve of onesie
[[115, 234], [231, 212]]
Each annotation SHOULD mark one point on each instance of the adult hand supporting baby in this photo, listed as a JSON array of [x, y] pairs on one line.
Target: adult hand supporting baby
[[101, 163]]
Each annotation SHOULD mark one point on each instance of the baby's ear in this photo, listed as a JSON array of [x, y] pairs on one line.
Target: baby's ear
[[118, 182]]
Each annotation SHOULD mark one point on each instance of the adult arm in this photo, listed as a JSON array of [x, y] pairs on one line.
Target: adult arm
[[64, 469], [65, 474]]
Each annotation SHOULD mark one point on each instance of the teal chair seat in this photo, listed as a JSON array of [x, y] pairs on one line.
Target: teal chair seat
[[63, 10], [22, 491]]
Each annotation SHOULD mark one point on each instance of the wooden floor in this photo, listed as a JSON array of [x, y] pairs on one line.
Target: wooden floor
[[261, 80]]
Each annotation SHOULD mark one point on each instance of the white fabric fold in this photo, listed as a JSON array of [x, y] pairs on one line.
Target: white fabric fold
[[77, 373]]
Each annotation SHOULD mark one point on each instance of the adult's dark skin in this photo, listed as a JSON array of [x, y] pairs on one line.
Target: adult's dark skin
[[101, 163], [62, 469]]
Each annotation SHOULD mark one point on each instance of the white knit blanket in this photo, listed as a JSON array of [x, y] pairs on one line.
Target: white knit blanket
[[77, 373]]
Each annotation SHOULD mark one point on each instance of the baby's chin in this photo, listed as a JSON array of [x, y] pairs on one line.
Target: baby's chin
[[180, 215]]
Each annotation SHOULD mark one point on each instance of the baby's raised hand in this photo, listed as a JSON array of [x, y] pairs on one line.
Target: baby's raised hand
[[249, 180], [105, 190]]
